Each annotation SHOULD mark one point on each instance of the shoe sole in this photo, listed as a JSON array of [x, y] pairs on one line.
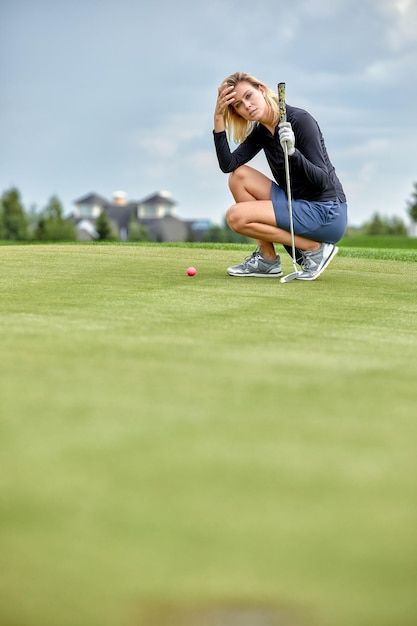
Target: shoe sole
[[256, 275], [329, 258]]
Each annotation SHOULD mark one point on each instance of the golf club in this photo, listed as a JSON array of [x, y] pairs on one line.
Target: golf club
[[283, 118]]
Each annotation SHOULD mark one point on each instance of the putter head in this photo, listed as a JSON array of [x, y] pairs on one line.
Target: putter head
[[288, 277]]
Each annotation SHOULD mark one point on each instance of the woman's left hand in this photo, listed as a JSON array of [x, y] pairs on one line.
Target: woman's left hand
[[286, 135]]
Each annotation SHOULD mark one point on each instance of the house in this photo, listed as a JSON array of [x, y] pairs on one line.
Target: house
[[156, 213]]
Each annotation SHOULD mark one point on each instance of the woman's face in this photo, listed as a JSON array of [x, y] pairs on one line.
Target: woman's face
[[250, 102]]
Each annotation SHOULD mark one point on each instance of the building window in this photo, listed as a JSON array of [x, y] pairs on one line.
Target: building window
[[85, 210]]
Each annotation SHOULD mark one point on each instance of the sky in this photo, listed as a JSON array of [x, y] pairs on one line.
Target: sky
[[105, 95]]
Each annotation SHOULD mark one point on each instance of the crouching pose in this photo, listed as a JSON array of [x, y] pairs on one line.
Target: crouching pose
[[248, 110]]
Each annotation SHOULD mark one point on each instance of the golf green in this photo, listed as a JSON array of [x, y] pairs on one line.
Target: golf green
[[206, 441]]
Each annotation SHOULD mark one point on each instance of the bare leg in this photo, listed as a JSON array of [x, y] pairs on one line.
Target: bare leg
[[256, 219], [247, 184], [253, 214]]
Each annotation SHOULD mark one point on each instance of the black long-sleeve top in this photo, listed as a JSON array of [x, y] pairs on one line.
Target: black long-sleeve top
[[312, 174]]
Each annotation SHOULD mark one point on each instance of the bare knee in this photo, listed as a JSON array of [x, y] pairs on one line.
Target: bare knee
[[248, 184], [238, 177], [234, 217]]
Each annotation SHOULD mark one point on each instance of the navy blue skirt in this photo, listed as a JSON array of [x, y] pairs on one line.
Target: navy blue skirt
[[319, 221]]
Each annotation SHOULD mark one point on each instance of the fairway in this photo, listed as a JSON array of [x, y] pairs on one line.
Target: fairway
[[207, 446]]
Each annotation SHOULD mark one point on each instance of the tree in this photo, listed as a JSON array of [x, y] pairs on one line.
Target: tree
[[52, 226], [224, 234], [412, 205], [384, 226], [215, 234], [104, 228], [137, 231], [14, 224], [396, 226]]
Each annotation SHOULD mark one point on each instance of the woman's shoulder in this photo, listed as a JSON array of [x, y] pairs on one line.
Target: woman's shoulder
[[295, 113], [301, 119]]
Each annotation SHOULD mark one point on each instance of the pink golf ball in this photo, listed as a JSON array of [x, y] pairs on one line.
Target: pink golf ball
[[191, 271]]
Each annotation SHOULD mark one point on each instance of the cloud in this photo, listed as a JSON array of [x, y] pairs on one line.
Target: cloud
[[103, 95], [400, 17], [369, 147]]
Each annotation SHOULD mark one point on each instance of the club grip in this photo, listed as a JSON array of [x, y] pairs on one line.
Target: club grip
[[281, 103]]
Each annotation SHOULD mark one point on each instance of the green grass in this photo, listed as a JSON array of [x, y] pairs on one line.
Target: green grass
[[376, 241], [167, 440]]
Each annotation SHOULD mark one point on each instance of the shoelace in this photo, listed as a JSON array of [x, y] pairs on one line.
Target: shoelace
[[308, 262], [252, 256]]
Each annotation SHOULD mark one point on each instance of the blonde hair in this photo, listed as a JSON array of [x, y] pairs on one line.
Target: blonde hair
[[236, 126]]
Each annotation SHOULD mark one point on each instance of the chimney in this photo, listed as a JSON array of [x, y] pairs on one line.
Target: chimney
[[120, 198]]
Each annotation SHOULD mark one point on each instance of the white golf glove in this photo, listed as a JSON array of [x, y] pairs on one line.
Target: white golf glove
[[286, 135]]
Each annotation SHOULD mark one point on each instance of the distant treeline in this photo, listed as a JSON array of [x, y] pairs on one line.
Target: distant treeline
[[49, 224]]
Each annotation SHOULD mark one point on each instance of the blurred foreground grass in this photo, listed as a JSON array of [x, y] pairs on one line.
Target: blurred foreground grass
[[169, 442]]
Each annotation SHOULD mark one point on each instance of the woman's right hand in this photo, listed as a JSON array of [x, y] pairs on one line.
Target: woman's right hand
[[225, 97]]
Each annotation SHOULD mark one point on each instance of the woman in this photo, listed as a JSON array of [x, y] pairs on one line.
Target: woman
[[248, 110]]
